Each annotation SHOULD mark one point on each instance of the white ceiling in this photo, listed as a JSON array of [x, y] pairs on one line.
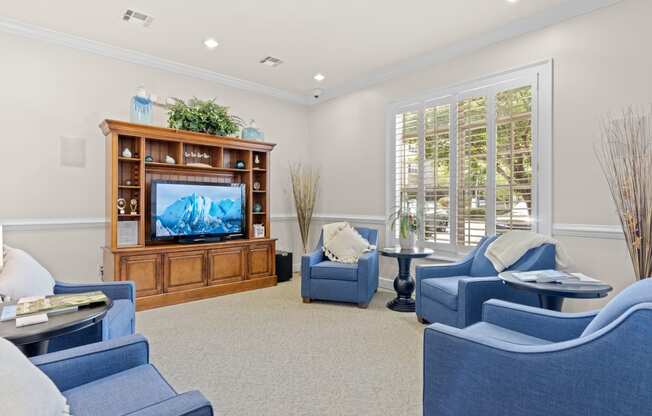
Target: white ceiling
[[346, 40]]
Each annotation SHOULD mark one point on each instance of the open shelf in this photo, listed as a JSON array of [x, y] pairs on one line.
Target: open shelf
[[195, 168], [129, 159]]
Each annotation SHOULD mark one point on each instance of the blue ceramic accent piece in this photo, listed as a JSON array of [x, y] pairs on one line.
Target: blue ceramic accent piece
[[252, 133], [258, 207], [141, 108], [149, 158], [240, 164]]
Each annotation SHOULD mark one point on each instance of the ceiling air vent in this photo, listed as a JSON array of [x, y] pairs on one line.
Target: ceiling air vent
[[137, 17], [271, 61]]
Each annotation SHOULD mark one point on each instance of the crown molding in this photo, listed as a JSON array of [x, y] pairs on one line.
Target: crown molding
[[18, 28], [564, 11]]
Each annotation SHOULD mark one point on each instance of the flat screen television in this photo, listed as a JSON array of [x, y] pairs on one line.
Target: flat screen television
[[194, 211]]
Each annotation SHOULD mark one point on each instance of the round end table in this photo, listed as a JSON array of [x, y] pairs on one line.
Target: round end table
[[404, 283]]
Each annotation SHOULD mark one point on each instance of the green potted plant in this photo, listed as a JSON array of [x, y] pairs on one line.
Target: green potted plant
[[408, 223], [203, 117]]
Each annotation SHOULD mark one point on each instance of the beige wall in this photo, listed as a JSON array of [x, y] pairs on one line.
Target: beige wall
[[50, 91], [601, 63]]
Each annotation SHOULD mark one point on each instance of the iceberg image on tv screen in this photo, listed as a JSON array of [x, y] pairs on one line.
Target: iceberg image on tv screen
[[193, 209]]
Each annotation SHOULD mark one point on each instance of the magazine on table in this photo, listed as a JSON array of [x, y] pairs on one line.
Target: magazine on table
[[58, 304], [556, 276]]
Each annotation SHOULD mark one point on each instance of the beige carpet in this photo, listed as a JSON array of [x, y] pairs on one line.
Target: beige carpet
[[265, 353]]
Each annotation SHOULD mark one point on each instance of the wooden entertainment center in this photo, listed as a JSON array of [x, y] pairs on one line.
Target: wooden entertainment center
[[167, 273]]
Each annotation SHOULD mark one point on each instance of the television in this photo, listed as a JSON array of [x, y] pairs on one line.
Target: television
[[189, 211]]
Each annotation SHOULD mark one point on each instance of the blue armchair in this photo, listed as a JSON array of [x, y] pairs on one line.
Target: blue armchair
[[115, 378], [522, 360], [327, 280], [119, 321], [453, 294]]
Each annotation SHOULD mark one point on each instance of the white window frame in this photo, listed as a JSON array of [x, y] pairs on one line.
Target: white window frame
[[539, 75]]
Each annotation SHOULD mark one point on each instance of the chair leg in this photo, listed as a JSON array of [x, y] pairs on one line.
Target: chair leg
[[363, 305], [422, 321], [307, 300]]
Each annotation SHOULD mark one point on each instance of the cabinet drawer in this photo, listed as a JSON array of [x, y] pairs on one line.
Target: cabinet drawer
[[144, 270], [226, 265], [184, 270], [261, 260]]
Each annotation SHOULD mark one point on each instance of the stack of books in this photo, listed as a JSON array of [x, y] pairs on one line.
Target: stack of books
[[52, 305], [556, 276]]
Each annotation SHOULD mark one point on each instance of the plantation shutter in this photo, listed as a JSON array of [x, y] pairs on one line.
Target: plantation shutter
[[406, 161], [472, 162], [514, 146], [436, 174]]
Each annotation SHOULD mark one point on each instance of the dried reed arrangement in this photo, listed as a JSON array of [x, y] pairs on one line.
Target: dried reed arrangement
[[305, 184], [625, 154]]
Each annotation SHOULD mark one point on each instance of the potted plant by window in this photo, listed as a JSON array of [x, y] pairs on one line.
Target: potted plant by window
[[408, 225]]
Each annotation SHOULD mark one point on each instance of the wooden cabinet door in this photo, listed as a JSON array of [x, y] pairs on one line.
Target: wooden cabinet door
[[145, 271], [261, 260], [184, 270], [227, 265]]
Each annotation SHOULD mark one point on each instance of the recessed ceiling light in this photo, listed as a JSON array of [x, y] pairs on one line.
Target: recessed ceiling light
[[513, 1], [319, 77], [211, 43]]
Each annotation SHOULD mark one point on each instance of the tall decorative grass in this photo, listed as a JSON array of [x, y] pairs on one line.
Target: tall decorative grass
[[625, 154], [305, 184]]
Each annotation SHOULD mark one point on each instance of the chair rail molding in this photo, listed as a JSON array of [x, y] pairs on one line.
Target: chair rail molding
[[611, 232], [600, 231]]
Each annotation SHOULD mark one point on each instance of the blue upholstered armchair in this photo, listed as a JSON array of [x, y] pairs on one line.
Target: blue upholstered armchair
[[327, 280], [115, 378], [522, 360], [119, 321], [453, 294]]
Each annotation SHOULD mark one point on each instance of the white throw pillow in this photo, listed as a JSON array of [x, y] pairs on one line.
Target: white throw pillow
[[24, 389], [345, 244], [23, 276]]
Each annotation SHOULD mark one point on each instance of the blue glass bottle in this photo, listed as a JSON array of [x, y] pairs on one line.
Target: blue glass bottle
[[141, 107]]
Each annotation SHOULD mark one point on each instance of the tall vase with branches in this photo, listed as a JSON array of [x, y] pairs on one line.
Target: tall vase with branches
[[305, 184], [625, 154]]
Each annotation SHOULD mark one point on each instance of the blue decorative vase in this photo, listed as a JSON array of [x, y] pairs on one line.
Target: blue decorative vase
[[240, 164], [252, 133], [258, 207], [141, 108]]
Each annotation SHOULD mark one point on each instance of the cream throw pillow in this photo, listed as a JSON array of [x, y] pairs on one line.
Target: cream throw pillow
[[24, 389], [343, 244], [23, 276]]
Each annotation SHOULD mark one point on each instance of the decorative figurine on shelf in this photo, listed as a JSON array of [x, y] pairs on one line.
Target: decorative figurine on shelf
[[251, 132], [170, 160], [149, 159], [257, 160], [126, 152], [259, 230], [122, 204], [257, 186], [141, 107], [240, 164], [134, 206], [128, 182], [258, 207]]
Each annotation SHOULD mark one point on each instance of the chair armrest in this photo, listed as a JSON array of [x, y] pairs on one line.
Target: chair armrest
[[191, 403], [537, 322], [307, 261], [368, 270], [80, 365], [474, 291], [114, 290], [601, 373], [461, 268]]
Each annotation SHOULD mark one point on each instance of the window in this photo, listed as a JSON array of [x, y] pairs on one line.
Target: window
[[465, 162]]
